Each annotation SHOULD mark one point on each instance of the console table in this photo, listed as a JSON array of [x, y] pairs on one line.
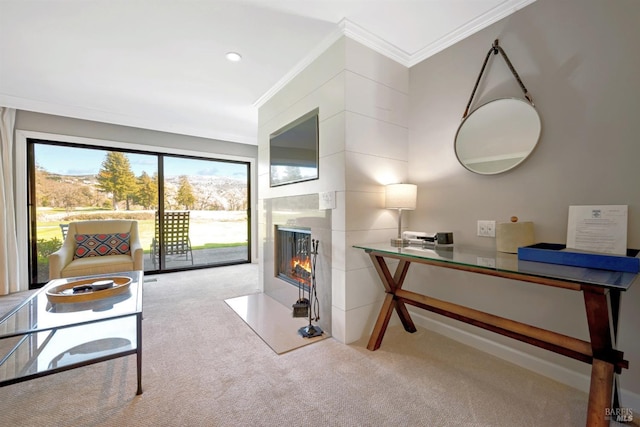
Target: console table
[[38, 338], [601, 290]]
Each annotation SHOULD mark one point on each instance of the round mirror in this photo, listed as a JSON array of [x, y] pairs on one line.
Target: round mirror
[[497, 136]]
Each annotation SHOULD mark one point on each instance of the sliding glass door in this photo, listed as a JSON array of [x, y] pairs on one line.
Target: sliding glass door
[[191, 212], [204, 213]]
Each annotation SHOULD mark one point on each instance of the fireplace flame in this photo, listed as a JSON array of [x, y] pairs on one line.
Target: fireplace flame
[[304, 264], [301, 269]]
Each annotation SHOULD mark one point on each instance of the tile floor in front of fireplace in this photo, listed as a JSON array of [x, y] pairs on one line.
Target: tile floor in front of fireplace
[[272, 321]]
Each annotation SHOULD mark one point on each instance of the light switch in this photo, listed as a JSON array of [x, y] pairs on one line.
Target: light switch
[[327, 200]]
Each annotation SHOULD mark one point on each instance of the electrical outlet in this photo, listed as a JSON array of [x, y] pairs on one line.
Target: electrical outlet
[[491, 228], [486, 228], [486, 262]]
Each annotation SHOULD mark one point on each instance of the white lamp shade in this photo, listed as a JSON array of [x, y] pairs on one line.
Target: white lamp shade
[[401, 196]]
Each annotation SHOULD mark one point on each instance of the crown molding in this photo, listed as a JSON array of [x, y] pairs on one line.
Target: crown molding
[[355, 32], [483, 21], [333, 37], [375, 43], [344, 28], [407, 59]]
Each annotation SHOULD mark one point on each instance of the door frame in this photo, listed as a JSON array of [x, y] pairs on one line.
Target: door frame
[[21, 182]]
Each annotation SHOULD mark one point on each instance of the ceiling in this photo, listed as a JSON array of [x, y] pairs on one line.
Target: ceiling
[[160, 64]]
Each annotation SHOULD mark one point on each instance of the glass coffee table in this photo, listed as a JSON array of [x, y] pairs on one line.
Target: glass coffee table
[[39, 338]]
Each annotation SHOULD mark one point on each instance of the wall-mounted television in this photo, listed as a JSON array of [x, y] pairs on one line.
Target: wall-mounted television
[[293, 151]]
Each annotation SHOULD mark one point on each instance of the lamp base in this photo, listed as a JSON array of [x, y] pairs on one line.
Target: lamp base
[[399, 243]]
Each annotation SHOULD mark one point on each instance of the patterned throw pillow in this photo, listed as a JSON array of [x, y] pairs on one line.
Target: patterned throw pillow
[[88, 245]]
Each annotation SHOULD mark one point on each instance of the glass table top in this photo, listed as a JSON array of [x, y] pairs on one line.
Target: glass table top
[[484, 258], [38, 337], [37, 314]]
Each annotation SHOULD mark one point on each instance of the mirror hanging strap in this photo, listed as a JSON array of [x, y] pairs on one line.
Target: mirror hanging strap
[[495, 48]]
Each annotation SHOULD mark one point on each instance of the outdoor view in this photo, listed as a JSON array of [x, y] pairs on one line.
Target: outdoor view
[[75, 184]]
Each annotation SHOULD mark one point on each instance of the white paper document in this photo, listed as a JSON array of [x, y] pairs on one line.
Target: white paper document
[[598, 229]]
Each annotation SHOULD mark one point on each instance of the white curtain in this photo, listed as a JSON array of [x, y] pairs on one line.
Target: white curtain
[[9, 261]]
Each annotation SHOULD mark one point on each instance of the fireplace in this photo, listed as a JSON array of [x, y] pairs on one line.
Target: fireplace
[[292, 225], [293, 256]]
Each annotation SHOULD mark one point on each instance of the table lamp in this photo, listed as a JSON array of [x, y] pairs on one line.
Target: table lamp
[[401, 197]]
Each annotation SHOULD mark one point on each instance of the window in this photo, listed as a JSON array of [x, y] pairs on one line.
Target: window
[[73, 182]]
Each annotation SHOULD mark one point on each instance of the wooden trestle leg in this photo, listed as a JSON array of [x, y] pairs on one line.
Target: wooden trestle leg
[[606, 360], [391, 285]]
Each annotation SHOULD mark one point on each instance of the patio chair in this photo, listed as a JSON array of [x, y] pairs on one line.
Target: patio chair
[[175, 237], [64, 228], [97, 247]]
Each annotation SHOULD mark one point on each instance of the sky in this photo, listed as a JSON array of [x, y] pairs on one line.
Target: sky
[[65, 160]]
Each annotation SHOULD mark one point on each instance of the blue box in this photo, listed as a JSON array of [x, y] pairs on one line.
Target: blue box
[[553, 253]]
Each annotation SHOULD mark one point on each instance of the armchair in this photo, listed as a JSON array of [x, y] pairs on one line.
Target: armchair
[[97, 247]]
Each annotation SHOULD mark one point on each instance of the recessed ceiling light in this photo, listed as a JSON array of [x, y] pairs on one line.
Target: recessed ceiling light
[[233, 56]]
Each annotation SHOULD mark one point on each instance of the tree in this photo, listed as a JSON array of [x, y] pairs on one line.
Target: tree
[[116, 178], [237, 199], [62, 191], [185, 195], [208, 197], [43, 198], [147, 194], [76, 196]]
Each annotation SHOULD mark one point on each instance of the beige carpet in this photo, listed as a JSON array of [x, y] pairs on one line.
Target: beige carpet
[[203, 366]]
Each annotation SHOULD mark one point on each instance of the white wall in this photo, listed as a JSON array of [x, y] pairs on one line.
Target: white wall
[[320, 85], [376, 153], [579, 61], [47, 123], [362, 98]]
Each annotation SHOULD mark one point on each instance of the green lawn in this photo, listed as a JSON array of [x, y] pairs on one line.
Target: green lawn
[[206, 229]]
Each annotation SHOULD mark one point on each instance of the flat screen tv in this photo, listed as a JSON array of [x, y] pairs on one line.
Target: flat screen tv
[[293, 151]]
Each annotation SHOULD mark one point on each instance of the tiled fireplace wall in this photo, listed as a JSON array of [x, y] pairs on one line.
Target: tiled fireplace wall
[[362, 98], [298, 212]]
